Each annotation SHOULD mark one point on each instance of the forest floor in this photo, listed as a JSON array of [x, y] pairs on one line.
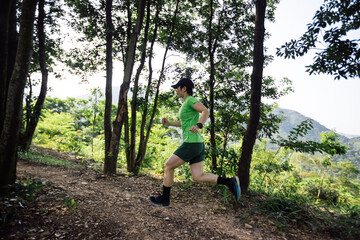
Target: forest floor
[[80, 203]]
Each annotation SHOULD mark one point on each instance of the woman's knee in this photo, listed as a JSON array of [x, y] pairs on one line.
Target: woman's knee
[[197, 177], [172, 163], [167, 166]]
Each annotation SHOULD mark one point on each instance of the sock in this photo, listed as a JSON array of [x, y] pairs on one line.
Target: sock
[[223, 181], [166, 192], [162, 200]]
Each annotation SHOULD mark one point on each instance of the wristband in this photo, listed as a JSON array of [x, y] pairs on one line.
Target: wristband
[[200, 125]]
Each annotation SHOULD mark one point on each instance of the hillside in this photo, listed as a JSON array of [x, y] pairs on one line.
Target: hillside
[[352, 154], [294, 118]]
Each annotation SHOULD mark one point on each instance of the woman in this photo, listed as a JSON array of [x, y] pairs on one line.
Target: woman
[[192, 149]]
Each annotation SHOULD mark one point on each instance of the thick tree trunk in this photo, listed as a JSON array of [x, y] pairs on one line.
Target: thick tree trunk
[[108, 89], [6, 18], [13, 40], [10, 132], [27, 137], [255, 100], [122, 105]]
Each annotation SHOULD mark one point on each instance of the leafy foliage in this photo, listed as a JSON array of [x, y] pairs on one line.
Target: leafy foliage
[[328, 141], [24, 190], [352, 154], [333, 24], [70, 203]]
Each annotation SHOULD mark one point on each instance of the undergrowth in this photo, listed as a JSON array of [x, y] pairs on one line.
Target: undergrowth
[[341, 220], [40, 158], [18, 194]]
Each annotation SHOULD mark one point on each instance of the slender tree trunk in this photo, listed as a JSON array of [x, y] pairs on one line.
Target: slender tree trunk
[[108, 88], [125, 55], [127, 134], [131, 161], [142, 145], [211, 85], [143, 141], [122, 105], [27, 137], [212, 46], [11, 128], [255, 100], [28, 107]]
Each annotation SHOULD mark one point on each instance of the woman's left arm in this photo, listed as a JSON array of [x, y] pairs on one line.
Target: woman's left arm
[[198, 106]]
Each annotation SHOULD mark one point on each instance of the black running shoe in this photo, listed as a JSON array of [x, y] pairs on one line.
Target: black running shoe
[[161, 201], [235, 187]]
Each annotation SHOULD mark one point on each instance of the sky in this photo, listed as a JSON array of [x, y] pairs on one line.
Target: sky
[[333, 103]]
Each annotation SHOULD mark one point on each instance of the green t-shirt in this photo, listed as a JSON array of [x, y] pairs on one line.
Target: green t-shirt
[[189, 117]]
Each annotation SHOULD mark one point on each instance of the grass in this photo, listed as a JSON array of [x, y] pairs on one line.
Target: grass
[[41, 158]]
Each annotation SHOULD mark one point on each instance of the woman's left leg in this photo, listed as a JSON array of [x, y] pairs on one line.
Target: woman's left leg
[[197, 172]]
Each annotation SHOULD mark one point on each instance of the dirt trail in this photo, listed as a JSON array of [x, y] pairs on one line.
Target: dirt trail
[[117, 207]]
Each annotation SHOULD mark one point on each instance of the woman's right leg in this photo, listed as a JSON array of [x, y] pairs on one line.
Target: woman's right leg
[[170, 165]]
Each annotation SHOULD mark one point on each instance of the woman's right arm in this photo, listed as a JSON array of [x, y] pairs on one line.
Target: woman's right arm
[[166, 122]]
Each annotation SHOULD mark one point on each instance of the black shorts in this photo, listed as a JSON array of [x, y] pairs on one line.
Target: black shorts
[[191, 152]]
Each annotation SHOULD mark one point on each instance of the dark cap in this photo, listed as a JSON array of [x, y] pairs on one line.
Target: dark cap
[[184, 82]]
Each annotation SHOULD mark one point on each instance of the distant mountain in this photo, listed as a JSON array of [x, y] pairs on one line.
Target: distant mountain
[[349, 135], [293, 118]]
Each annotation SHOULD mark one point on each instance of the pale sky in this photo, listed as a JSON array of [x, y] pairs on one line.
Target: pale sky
[[333, 103]]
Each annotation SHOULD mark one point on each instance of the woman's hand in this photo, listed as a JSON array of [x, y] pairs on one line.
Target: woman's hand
[[194, 129], [165, 121]]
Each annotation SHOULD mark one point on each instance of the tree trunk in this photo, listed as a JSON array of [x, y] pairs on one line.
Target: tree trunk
[[13, 40], [212, 45], [143, 141], [27, 137], [6, 18], [131, 160], [211, 86], [122, 104], [108, 88], [142, 145], [212, 117], [10, 132], [255, 100]]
